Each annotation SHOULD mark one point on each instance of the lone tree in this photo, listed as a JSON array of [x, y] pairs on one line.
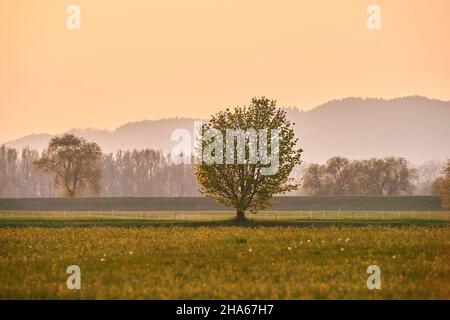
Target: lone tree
[[247, 179], [74, 164]]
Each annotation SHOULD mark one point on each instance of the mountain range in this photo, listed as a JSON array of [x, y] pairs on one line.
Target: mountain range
[[414, 127]]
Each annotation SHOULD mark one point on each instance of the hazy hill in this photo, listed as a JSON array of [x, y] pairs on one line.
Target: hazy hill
[[415, 127]]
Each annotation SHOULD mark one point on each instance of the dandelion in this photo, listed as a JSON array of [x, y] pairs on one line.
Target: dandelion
[[289, 248], [347, 239], [131, 252], [250, 250], [102, 259], [308, 241], [394, 256], [342, 249]]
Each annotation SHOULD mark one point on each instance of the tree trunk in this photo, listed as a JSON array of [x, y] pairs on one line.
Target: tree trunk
[[240, 216]]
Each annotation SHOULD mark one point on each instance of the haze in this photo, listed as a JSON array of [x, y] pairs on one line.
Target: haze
[[135, 60]]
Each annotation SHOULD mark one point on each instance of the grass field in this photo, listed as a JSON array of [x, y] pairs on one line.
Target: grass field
[[288, 259]]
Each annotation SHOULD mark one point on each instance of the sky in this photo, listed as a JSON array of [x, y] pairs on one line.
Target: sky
[[146, 59]]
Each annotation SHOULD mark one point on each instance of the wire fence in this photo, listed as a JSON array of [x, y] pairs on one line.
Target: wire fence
[[224, 215]]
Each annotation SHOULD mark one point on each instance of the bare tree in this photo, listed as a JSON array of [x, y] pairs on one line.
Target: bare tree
[[74, 164]]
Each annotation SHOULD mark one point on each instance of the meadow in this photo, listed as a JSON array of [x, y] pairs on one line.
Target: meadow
[[289, 259]]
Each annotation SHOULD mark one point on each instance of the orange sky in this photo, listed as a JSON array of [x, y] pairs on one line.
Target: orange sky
[[148, 59]]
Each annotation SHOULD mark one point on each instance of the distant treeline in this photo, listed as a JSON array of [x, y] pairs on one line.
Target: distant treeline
[[388, 176], [340, 176], [150, 173], [138, 173]]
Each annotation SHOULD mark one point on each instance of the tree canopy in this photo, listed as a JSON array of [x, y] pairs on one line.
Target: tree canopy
[[74, 164], [247, 180], [340, 176]]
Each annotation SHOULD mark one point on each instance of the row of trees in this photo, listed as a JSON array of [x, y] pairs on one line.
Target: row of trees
[[18, 177], [341, 176], [138, 173], [149, 173], [146, 173]]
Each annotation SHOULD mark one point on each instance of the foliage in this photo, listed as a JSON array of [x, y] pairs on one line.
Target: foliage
[[243, 186], [445, 187], [127, 173], [74, 164], [340, 176]]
